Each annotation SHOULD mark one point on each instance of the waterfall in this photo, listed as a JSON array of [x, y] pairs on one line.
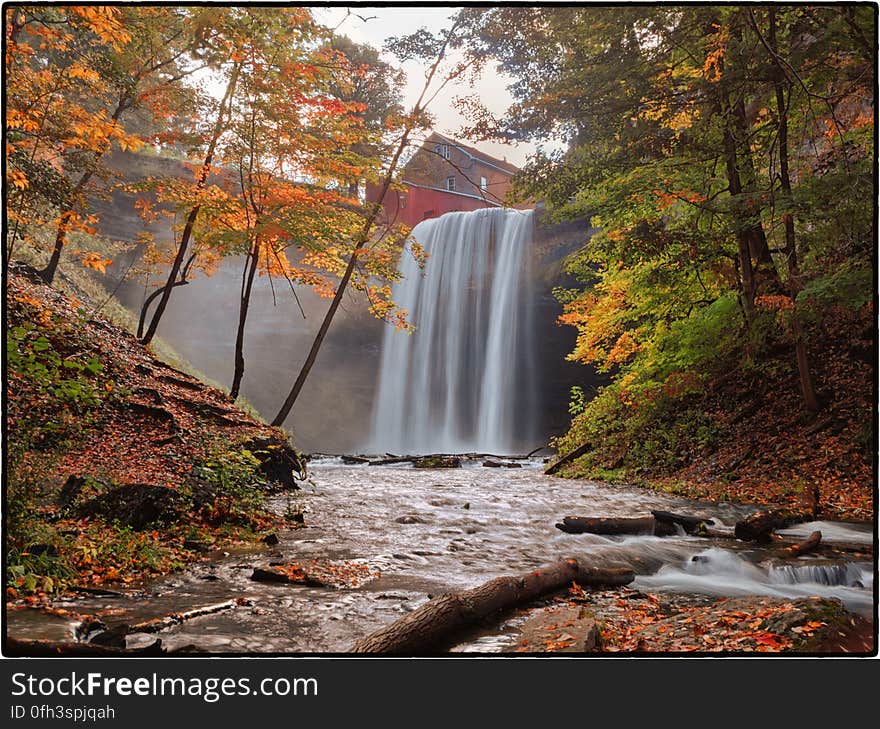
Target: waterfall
[[464, 380]]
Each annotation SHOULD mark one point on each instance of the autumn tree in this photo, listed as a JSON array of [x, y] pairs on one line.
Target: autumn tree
[[375, 87], [75, 73], [704, 143]]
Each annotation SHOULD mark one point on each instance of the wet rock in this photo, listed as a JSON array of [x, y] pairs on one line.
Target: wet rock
[[355, 460], [287, 574], [467, 505], [88, 628], [410, 519], [296, 517], [137, 505], [271, 539]]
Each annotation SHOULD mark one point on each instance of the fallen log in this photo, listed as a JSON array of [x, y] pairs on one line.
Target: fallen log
[[759, 526], [45, 648], [690, 524], [355, 460], [435, 623], [788, 542], [808, 545], [575, 454], [391, 461], [611, 526], [488, 463], [155, 625]]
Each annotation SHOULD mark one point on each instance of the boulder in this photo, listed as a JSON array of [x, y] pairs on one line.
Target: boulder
[[137, 505]]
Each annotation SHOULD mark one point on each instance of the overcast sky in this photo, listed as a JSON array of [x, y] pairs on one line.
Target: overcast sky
[[384, 22]]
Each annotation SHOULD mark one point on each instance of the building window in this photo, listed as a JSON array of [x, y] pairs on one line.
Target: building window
[[484, 184], [450, 184], [442, 150]]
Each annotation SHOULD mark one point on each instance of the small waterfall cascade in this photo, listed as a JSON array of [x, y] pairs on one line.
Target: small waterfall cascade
[[464, 380]]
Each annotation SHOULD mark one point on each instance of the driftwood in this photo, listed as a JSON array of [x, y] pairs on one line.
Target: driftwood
[[488, 463], [51, 649], [595, 525], [759, 526], [788, 543], [391, 461], [436, 622], [690, 524], [156, 625], [808, 545], [575, 454]]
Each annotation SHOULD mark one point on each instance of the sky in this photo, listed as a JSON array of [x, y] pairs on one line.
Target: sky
[[383, 22]]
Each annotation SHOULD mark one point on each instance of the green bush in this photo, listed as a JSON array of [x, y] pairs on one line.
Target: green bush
[[238, 485]]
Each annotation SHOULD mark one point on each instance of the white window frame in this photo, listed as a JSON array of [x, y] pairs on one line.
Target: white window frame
[[450, 183], [484, 183], [442, 150]]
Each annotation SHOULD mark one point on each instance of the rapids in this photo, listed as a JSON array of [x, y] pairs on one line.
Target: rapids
[[427, 531]]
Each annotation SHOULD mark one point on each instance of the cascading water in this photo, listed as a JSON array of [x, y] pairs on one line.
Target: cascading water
[[464, 380]]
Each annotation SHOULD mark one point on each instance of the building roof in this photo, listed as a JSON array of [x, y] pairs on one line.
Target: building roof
[[475, 153]]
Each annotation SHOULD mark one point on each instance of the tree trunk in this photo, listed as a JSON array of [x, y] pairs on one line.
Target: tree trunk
[[50, 649], [193, 214], [637, 525], [568, 458], [158, 292], [780, 82], [431, 626], [690, 524], [48, 273], [251, 264]]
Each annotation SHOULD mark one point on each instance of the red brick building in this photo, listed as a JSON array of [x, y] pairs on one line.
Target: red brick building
[[445, 176]]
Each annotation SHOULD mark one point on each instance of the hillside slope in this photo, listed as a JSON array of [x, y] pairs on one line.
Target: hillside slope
[[116, 458]]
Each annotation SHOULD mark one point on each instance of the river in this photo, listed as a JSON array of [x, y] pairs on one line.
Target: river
[[429, 530]]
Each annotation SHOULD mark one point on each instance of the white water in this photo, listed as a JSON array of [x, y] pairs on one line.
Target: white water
[[464, 380]]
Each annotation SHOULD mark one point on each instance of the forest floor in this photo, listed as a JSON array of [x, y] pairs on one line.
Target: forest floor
[[768, 450], [625, 620]]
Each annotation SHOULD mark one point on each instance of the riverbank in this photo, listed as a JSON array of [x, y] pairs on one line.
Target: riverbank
[[119, 466]]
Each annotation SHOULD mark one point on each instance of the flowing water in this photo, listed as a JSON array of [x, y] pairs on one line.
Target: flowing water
[[464, 380], [427, 531]]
